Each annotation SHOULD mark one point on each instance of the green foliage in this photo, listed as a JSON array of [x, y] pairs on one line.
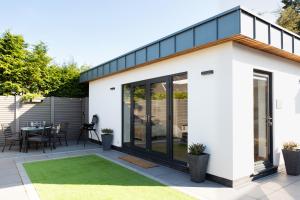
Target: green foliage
[[139, 93], [30, 96], [66, 78], [290, 19], [107, 131], [30, 71], [291, 3], [163, 95], [196, 149], [159, 96], [7, 87], [180, 95]]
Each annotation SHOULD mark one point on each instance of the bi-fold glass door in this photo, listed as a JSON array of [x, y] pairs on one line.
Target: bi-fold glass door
[[139, 115], [150, 115], [155, 117], [158, 116]]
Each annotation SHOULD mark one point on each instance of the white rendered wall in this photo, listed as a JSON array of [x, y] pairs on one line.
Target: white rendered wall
[[286, 91], [209, 101], [220, 106]]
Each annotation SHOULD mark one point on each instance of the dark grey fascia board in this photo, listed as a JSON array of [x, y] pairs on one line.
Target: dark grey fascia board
[[221, 26]]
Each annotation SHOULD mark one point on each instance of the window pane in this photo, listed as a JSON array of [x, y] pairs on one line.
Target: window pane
[[139, 116], [180, 123], [159, 117], [126, 115], [260, 119]]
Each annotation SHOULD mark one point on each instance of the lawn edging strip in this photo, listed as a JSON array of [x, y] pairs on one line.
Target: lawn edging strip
[[30, 189]]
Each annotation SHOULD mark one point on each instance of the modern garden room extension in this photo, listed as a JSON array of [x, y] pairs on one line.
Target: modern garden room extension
[[231, 82]]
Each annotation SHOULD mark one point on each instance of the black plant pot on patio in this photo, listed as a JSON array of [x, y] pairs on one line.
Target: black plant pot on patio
[[292, 161], [198, 166], [106, 141]]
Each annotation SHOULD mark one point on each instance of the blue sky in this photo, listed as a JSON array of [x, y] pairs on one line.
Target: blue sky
[[94, 31]]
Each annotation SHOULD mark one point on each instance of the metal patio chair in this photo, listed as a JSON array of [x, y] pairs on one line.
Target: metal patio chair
[[62, 132], [10, 138], [44, 138]]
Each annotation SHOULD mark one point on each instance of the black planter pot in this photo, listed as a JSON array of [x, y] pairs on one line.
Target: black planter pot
[[292, 161], [106, 141], [198, 167]]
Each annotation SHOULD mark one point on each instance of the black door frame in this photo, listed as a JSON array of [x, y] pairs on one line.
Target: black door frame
[[168, 133], [261, 166], [147, 84], [140, 83], [168, 158]]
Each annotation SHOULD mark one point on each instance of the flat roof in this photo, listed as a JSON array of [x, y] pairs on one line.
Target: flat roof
[[237, 24]]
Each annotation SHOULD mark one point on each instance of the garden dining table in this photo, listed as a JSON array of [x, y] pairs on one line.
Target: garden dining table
[[27, 132]]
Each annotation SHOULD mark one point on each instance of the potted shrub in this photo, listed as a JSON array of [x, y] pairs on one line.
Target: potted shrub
[[107, 138], [197, 161], [291, 155]]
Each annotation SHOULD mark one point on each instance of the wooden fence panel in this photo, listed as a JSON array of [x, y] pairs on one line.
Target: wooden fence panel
[[52, 110]]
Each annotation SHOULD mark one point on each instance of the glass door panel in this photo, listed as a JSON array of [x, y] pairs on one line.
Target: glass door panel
[[180, 122], [155, 117], [158, 126], [139, 116], [126, 106], [262, 119]]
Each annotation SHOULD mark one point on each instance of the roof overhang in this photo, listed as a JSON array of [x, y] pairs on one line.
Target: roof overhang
[[237, 24]]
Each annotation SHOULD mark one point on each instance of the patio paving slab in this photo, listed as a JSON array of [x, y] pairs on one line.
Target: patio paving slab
[[278, 186], [260, 189]]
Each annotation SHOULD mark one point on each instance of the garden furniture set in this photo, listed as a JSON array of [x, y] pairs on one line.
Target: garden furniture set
[[38, 133]]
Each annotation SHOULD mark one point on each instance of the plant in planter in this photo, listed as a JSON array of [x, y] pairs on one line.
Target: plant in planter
[[107, 138], [197, 161], [291, 155]]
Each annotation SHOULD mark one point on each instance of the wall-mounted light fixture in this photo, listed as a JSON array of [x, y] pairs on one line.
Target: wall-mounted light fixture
[[207, 72]]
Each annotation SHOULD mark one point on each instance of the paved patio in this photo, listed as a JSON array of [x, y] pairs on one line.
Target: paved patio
[[278, 186]]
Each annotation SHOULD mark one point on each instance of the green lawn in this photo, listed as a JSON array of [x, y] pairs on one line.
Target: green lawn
[[91, 177]]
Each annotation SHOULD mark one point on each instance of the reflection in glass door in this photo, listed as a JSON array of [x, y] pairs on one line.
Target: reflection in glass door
[[158, 95], [262, 119], [155, 118], [139, 116], [180, 117]]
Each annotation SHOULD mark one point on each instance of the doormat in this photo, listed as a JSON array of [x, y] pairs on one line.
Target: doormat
[[139, 162]]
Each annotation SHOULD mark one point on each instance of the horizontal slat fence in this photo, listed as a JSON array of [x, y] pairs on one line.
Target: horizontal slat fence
[[34, 112], [52, 110], [7, 113], [69, 110]]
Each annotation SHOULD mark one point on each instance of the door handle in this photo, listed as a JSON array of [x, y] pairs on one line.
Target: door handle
[[269, 121], [148, 118]]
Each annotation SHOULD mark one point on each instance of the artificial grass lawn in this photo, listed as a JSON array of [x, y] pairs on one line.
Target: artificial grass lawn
[[91, 177]]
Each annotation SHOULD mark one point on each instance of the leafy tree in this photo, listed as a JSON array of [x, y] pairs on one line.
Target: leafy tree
[[290, 19], [12, 62], [290, 15], [68, 82], [30, 71], [291, 3], [37, 64]]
